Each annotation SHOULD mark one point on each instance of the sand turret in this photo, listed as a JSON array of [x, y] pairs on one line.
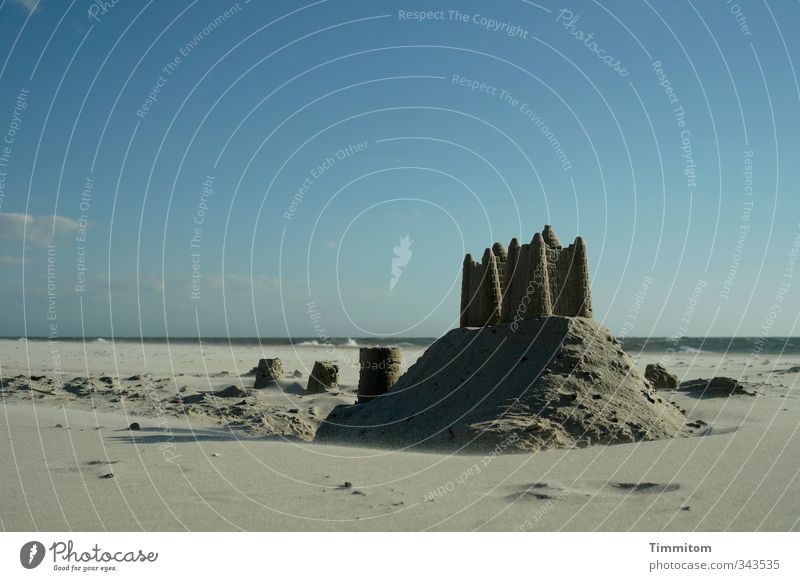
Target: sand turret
[[380, 369], [491, 291], [530, 280], [465, 290], [550, 237], [499, 251], [509, 274], [580, 280], [538, 288]]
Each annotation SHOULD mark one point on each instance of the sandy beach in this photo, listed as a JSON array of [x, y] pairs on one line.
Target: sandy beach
[[73, 464], [296, 269]]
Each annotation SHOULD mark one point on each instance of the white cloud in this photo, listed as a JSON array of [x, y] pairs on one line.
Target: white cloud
[[259, 283], [40, 230], [331, 244], [29, 5], [119, 282], [13, 261]]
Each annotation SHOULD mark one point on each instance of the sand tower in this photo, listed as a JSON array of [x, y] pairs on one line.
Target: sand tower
[[539, 279]]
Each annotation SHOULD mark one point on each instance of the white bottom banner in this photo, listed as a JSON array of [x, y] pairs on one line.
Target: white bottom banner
[[356, 556]]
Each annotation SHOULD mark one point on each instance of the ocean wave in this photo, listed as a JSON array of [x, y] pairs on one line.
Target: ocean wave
[[687, 349], [329, 343]]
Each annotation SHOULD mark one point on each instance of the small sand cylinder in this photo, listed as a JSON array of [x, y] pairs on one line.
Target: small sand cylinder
[[380, 369], [268, 372]]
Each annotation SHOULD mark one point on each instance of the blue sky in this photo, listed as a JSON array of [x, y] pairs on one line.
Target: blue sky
[[330, 130]]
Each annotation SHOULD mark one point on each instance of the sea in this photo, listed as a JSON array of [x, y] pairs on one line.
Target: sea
[[734, 345]]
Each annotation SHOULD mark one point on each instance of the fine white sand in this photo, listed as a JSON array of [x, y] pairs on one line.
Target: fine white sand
[[191, 471]]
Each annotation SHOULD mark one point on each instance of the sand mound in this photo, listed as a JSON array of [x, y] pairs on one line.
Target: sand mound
[[717, 387], [287, 410], [555, 382]]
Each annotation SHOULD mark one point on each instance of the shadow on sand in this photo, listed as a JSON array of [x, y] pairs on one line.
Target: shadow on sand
[[157, 435]]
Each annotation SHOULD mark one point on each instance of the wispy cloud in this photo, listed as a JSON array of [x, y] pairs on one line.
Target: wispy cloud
[[331, 244], [13, 261], [259, 283], [29, 5], [40, 230], [119, 282]]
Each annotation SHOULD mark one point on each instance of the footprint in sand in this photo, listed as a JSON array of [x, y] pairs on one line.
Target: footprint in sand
[[536, 491], [646, 487]]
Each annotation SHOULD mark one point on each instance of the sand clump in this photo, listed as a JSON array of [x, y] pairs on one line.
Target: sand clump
[[659, 377], [286, 410], [324, 377], [268, 372], [717, 387], [555, 382]]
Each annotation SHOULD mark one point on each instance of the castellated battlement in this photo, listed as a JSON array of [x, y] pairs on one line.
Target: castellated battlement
[[526, 281]]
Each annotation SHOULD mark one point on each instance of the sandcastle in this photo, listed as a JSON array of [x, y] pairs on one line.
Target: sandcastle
[[381, 367], [324, 377], [268, 372], [545, 375], [530, 280]]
